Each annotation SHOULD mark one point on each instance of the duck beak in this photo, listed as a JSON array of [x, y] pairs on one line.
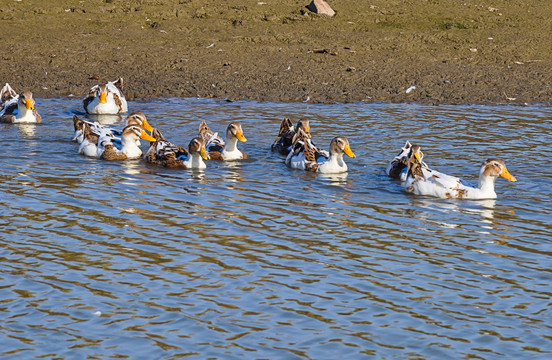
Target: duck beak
[[103, 97], [147, 126], [506, 175], [347, 150], [204, 153], [147, 137], [29, 104], [240, 136], [417, 156]]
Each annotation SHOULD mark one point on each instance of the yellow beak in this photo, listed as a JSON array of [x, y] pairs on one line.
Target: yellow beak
[[240, 136], [146, 125], [417, 156], [147, 136], [204, 153], [29, 104], [506, 175], [349, 152], [103, 97]]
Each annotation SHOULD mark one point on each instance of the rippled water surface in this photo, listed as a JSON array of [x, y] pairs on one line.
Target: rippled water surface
[[253, 260]]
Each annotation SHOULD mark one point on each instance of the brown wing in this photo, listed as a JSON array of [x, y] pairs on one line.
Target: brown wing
[[285, 125], [78, 123], [9, 116], [310, 152], [118, 101], [204, 132], [244, 155], [284, 138], [37, 116], [111, 153], [87, 101], [215, 155], [119, 84]]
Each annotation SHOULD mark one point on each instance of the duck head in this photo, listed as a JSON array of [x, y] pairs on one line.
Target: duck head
[[494, 168], [198, 146], [138, 118], [340, 145], [235, 130], [26, 100]]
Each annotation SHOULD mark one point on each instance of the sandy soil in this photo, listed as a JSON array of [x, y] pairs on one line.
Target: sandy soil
[[453, 52]]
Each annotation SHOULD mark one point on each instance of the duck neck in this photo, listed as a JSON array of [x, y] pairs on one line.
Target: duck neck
[[231, 143], [196, 161], [130, 147], [336, 159], [486, 184]]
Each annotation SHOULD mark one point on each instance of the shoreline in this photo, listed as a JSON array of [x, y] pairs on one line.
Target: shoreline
[[453, 53]]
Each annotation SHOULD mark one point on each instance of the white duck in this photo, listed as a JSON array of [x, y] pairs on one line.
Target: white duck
[[106, 99], [424, 181], [17, 108], [223, 150], [305, 156]]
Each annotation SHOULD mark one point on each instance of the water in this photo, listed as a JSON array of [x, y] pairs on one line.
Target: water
[[253, 260]]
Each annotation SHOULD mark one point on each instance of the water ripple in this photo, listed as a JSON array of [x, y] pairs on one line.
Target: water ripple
[[251, 259]]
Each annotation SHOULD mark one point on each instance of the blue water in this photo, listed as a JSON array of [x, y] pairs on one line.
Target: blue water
[[251, 259]]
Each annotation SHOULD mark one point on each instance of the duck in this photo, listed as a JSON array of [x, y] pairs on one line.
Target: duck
[[136, 118], [284, 140], [424, 181], [106, 99], [6, 95], [219, 149], [164, 153], [397, 168], [17, 108], [130, 149], [308, 157]]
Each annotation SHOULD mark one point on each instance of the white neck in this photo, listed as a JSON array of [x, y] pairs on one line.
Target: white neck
[[486, 184], [335, 164], [195, 162], [231, 143], [130, 148], [24, 114], [231, 151]]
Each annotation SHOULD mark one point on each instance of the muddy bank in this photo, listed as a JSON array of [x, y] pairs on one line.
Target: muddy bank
[[451, 52]]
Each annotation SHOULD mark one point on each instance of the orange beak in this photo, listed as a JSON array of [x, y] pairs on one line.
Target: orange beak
[[347, 150], [240, 136], [204, 153], [29, 104], [147, 136], [506, 175], [147, 126], [103, 97]]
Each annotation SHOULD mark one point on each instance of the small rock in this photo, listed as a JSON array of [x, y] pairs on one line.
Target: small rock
[[321, 7]]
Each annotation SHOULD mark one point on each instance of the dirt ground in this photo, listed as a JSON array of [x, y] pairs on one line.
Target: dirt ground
[[455, 52]]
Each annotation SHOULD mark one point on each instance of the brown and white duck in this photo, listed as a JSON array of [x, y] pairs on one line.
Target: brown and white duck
[[164, 153], [223, 149], [130, 140], [17, 108], [423, 181], [308, 157], [284, 140], [106, 99], [397, 168]]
